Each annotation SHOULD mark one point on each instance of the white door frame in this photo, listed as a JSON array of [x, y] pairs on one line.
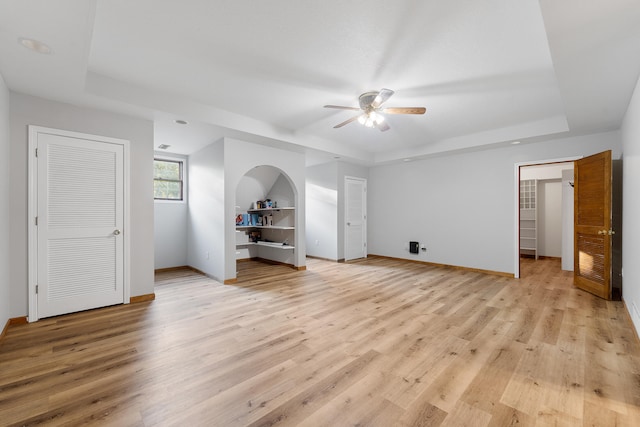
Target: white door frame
[[516, 197], [32, 210], [364, 220]]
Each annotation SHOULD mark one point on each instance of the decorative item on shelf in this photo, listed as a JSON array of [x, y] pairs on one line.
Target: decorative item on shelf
[[269, 219], [254, 236], [254, 219], [242, 220]]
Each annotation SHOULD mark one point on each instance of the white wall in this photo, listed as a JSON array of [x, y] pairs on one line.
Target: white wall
[[550, 171], [322, 210], [170, 234], [325, 216], [550, 218], [254, 186], [28, 110], [170, 225], [461, 206], [206, 222], [5, 226], [282, 192], [631, 207]]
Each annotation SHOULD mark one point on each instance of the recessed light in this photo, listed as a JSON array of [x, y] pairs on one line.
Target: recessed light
[[35, 45], [181, 122], [163, 146], [336, 157], [406, 160], [515, 143]]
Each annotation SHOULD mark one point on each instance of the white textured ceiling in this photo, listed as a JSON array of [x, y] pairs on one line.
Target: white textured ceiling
[[488, 71]]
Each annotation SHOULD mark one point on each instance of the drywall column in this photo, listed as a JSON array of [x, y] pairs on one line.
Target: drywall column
[[631, 212], [567, 220], [206, 219], [4, 204], [322, 210], [549, 206]]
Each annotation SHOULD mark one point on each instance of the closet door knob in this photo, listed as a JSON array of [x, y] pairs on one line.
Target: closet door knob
[[116, 232]]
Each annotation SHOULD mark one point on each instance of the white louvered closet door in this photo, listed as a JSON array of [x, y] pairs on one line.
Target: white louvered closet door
[[80, 224]]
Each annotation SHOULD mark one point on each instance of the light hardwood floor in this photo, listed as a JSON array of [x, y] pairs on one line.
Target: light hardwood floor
[[377, 342]]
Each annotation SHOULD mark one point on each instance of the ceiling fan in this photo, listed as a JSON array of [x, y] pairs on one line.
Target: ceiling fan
[[372, 111]]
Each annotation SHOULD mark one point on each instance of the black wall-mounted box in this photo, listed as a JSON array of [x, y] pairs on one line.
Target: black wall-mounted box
[[414, 247]]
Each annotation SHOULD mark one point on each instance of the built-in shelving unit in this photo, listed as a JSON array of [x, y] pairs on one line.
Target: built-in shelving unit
[[277, 234], [528, 218]]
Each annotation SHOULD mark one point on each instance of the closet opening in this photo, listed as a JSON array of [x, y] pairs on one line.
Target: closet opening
[[544, 213]]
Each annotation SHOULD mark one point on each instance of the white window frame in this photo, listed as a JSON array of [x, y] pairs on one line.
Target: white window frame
[[182, 160]]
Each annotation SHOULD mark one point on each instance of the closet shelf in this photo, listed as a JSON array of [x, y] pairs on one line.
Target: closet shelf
[[275, 245], [272, 227], [271, 209]]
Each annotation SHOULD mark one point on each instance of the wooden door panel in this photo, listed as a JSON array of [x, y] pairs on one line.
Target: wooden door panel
[[592, 224]]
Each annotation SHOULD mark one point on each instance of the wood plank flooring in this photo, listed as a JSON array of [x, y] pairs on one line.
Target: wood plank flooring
[[376, 342]]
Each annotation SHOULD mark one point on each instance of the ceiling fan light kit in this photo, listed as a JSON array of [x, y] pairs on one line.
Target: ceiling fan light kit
[[371, 119], [372, 112]]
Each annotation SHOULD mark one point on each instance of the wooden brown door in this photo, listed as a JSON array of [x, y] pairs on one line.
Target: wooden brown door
[[592, 224]]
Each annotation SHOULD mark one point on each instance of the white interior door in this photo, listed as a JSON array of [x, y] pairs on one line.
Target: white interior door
[[79, 197], [355, 218]]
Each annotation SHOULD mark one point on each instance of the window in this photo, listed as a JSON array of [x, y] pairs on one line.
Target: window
[[168, 181]]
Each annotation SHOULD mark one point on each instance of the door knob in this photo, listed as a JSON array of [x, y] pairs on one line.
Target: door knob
[[611, 232], [348, 223], [602, 232], [116, 232]]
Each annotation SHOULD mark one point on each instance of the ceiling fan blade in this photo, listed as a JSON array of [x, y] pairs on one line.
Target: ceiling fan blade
[[346, 122], [340, 107], [404, 110], [382, 96], [383, 127]]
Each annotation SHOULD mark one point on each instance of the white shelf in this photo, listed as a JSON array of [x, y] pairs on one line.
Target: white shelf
[[272, 227], [270, 209], [274, 245]]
